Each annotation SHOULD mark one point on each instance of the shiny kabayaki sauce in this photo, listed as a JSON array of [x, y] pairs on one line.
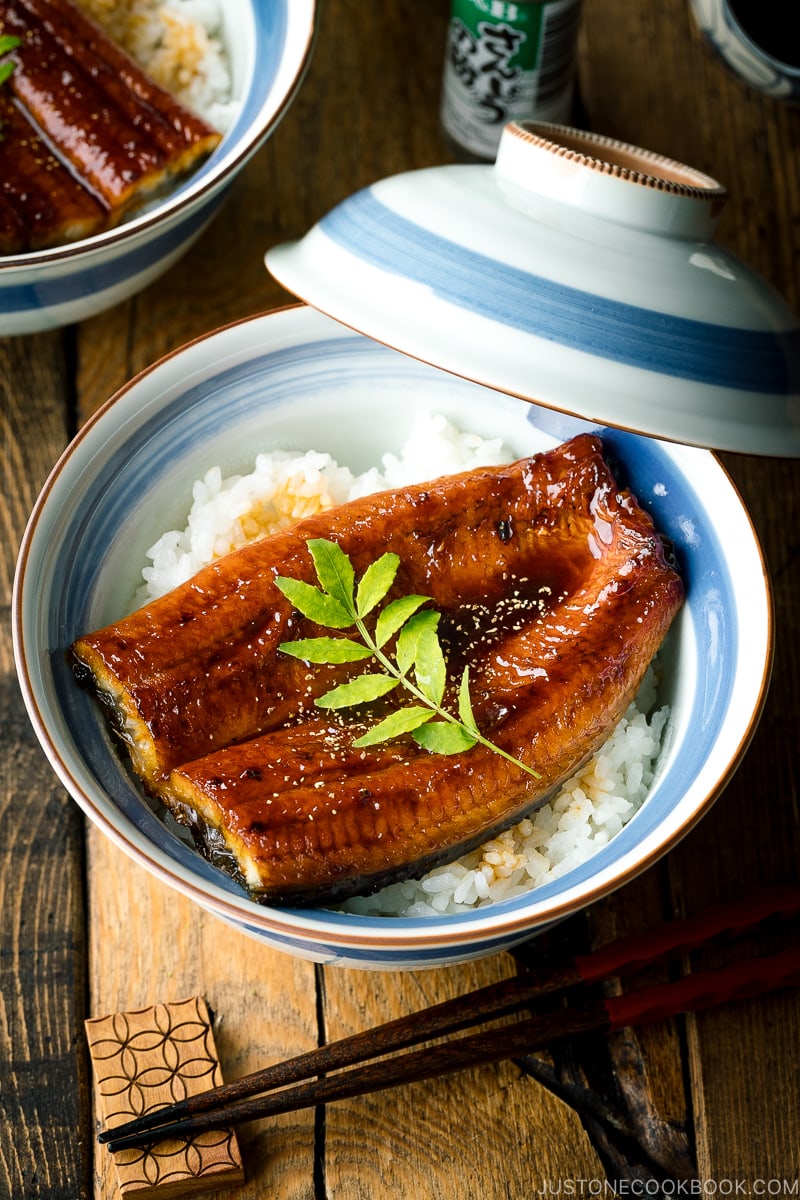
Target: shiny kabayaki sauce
[[553, 587], [95, 122], [201, 667]]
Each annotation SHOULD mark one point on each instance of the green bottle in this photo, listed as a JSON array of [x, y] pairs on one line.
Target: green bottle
[[506, 62]]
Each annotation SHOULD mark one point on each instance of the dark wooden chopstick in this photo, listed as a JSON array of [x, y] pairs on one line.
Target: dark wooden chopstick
[[232, 1103], [743, 980], [472, 1050]]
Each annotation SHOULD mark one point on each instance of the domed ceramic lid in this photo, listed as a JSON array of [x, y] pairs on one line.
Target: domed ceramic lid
[[575, 272]]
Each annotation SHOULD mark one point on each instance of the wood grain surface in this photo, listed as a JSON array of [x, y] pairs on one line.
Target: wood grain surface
[[85, 931]]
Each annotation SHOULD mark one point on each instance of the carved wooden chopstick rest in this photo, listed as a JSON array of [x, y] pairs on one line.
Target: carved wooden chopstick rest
[[143, 1061]]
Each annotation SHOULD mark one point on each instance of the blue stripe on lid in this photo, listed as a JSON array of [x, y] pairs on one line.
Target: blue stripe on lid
[[741, 359]]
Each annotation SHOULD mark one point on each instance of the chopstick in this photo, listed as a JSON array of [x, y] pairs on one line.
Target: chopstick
[[580, 1011]]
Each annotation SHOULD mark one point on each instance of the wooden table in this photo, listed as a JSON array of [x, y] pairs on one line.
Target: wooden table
[[710, 1103]]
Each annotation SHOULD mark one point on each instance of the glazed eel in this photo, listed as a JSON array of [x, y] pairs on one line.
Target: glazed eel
[[553, 585], [91, 134]]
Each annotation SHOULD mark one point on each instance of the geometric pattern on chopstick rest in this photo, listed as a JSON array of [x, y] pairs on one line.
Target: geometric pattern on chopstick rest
[[144, 1060]]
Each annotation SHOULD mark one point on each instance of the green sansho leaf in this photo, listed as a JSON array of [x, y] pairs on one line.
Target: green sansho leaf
[[395, 615], [403, 720], [465, 704], [334, 571], [312, 603], [408, 638], [375, 583], [429, 667], [326, 650], [443, 737], [362, 690], [419, 666], [7, 43]]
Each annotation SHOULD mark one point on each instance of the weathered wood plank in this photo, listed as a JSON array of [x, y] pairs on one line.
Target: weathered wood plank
[[35, 396], [44, 1149], [150, 945], [734, 1068], [681, 100], [467, 1134], [641, 1072]]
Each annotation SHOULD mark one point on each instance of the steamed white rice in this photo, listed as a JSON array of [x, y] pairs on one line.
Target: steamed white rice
[[285, 486], [179, 43], [587, 812]]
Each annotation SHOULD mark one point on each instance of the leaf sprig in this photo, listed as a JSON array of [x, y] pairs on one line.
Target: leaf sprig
[[7, 43], [418, 665]]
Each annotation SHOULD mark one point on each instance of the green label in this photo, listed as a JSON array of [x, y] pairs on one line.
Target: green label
[[495, 41], [506, 61]]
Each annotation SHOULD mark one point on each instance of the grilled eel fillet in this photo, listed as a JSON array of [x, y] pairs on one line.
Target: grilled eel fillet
[[95, 119], [41, 203], [552, 584]]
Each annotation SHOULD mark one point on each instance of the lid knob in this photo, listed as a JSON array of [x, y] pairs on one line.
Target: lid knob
[[609, 179]]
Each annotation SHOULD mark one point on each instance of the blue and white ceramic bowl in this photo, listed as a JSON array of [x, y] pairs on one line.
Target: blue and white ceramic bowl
[[757, 41], [268, 43], [294, 379]]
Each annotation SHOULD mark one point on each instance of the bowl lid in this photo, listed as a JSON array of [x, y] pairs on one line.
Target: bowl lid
[[576, 272]]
